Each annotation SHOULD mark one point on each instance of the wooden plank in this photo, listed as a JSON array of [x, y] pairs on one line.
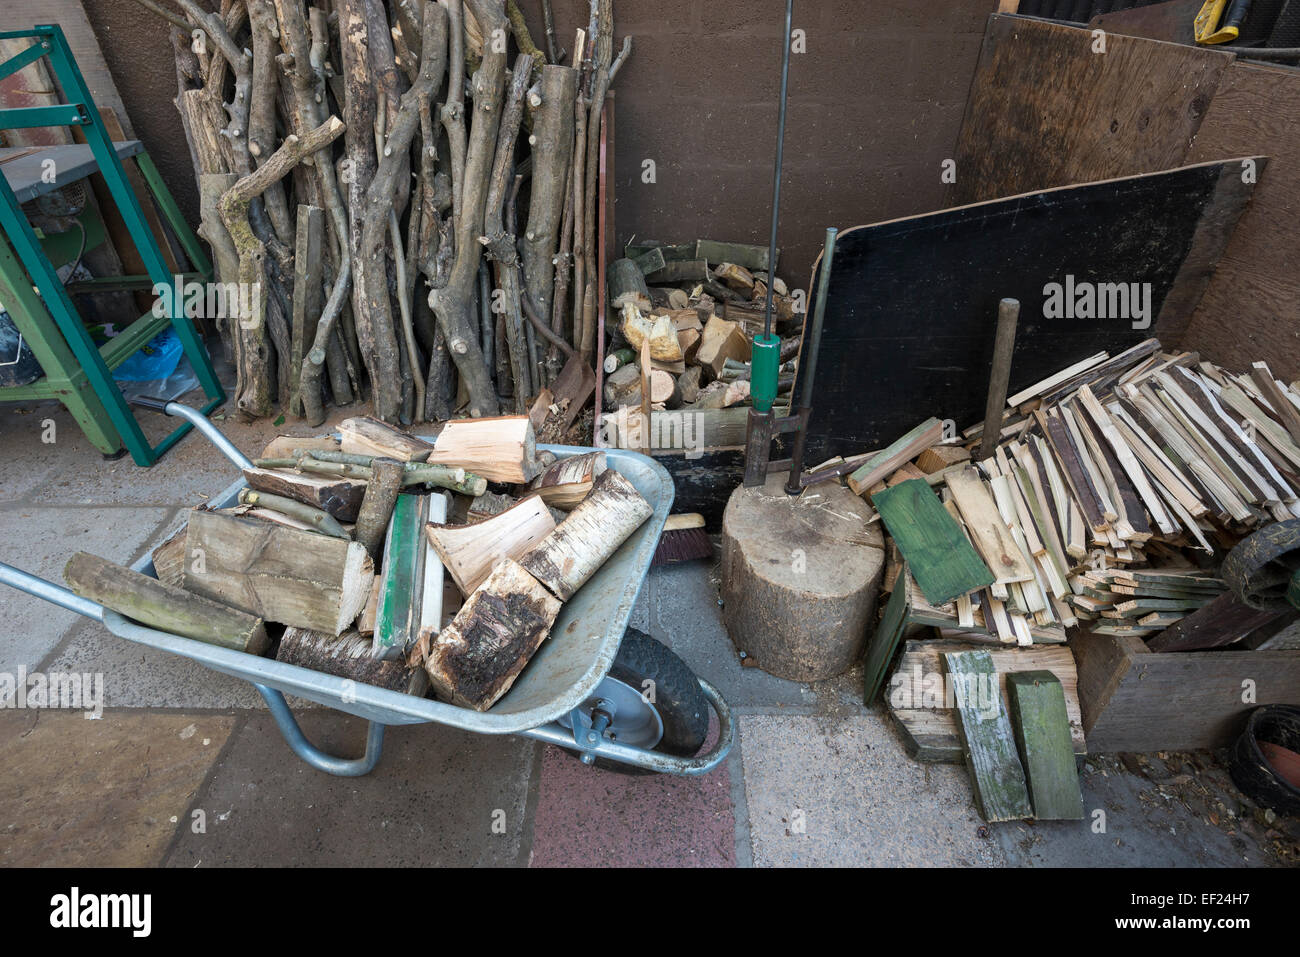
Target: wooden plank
[[937, 552], [1214, 624], [1137, 700], [918, 703], [883, 463], [884, 640], [1052, 381], [401, 587], [1171, 21], [1283, 409], [878, 327], [991, 536], [1046, 109], [1127, 459], [1037, 706], [997, 776]]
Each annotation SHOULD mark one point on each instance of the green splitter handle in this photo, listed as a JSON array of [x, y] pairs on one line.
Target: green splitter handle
[[765, 361]]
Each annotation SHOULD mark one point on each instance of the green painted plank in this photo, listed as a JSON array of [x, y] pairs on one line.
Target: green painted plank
[[881, 465], [996, 773], [884, 642], [941, 558], [401, 587], [1042, 728]]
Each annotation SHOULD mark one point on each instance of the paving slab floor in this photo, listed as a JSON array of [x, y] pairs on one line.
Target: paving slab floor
[[182, 766]]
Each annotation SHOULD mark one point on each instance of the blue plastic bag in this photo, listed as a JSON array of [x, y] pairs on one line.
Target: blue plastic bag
[[156, 359]]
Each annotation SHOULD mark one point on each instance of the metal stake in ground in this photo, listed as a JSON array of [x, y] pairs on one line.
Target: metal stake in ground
[[1003, 345], [766, 349]]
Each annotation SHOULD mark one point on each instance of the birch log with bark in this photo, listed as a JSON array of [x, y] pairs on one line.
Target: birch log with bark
[[474, 660], [570, 555]]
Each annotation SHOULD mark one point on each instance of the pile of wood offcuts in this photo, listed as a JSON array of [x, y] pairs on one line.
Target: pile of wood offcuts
[[687, 315], [388, 559], [1118, 486], [1114, 493]]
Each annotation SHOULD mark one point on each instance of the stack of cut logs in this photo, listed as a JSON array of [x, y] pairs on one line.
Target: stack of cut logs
[[333, 557], [1117, 489], [688, 314], [408, 211]]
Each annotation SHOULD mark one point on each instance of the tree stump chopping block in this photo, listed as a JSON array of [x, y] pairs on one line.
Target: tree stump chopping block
[[799, 577]]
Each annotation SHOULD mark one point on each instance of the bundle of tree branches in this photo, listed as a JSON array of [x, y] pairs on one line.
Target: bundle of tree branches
[[365, 168]]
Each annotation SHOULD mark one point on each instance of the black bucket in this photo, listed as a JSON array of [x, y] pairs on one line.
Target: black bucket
[[17, 364], [1280, 724]]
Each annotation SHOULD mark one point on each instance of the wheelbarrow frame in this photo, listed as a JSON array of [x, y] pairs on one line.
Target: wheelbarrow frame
[[563, 676]]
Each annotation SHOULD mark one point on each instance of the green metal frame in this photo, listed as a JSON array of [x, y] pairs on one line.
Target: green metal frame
[[76, 372]]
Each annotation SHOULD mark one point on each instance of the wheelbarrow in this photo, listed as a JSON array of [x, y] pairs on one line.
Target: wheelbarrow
[[628, 708]]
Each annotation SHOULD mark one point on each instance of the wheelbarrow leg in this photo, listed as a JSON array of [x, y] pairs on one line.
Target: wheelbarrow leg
[[318, 759]]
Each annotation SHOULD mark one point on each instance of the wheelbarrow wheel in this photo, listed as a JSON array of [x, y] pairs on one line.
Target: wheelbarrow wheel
[[655, 673]]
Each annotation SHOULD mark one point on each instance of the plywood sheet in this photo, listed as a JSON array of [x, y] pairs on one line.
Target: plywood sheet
[[1251, 309], [1172, 21], [1045, 109]]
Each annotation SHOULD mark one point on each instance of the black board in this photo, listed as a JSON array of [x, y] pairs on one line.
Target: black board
[[912, 305]]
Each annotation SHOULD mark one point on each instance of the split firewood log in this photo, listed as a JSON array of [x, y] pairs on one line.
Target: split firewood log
[[169, 559], [340, 497], [736, 277], [721, 340], [471, 552], [566, 483], [688, 384], [721, 395], [658, 330], [474, 660], [501, 449], [627, 286], [366, 436], [277, 573]]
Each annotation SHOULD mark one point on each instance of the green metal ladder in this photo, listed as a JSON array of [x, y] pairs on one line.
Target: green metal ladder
[[77, 373]]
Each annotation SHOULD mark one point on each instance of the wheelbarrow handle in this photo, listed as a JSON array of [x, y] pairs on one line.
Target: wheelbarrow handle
[[200, 422], [38, 587]]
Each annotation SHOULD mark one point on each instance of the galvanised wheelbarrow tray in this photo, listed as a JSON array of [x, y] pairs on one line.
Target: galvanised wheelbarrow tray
[[564, 696]]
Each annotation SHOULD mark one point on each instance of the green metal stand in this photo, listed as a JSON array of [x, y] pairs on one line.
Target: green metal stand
[[76, 372]]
